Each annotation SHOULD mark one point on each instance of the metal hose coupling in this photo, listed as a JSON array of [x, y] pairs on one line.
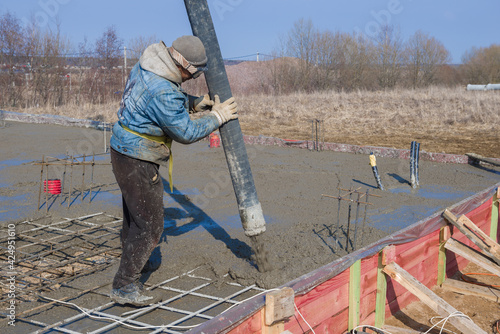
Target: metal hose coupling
[[252, 220]]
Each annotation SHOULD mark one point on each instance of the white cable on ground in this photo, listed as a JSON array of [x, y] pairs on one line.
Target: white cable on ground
[[165, 326], [116, 320], [445, 319], [454, 314]]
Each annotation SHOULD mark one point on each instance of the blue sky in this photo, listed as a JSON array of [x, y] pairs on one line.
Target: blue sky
[[248, 26]]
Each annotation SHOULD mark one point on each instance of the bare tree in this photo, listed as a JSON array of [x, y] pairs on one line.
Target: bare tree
[[358, 54], [425, 55], [300, 44], [482, 66], [389, 56], [11, 45], [46, 53], [137, 45], [330, 59], [108, 48]]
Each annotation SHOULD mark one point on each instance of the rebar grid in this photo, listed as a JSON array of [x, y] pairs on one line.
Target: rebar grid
[[51, 256], [173, 315], [336, 233]]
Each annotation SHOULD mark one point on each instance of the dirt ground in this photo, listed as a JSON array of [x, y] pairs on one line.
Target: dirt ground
[[202, 225]]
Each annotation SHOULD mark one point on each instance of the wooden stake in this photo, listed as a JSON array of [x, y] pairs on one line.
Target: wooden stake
[[444, 235], [381, 293], [494, 215], [473, 256], [432, 300], [475, 234], [354, 294], [279, 307], [472, 289]]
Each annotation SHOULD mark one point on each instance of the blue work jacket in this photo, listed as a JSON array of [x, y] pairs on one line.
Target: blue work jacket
[[155, 106]]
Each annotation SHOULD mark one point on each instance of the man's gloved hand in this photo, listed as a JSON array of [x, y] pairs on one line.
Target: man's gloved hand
[[202, 103], [225, 111]]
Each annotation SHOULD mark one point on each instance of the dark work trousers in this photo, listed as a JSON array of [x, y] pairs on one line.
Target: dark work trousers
[[142, 196]]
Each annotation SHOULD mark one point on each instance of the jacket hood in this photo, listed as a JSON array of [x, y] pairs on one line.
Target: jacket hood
[[157, 59]]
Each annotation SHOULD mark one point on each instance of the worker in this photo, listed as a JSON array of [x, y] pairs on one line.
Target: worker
[[154, 111]]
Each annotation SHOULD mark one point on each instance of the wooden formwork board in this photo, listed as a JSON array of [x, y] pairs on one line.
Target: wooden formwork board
[[436, 303]]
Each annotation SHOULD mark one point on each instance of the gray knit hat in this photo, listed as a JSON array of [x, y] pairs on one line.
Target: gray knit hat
[[191, 48]]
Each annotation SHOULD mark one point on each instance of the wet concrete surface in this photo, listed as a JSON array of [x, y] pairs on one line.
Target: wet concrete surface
[[305, 230]]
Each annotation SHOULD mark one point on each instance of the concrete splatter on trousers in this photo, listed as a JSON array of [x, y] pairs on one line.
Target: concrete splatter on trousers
[[142, 196]]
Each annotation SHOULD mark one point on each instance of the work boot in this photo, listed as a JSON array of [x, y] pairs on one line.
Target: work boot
[[133, 294]]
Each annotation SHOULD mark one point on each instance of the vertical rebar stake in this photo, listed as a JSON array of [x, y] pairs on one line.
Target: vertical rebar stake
[[323, 136], [41, 180], [47, 187], [373, 163], [337, 242], [348, 219], [105, 129], [64, 176], [92, 177], [317, 135], [356, 221], [412, 165], [83, 176], [70, 181], [312, 134], [364, 218], [417, 162]]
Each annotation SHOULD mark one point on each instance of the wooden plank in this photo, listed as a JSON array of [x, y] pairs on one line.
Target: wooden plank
[[432, 300], [444, 235], [478, 157], [494, 248], [354, 294], [279, 306], [465, 288], [388, 254], [399, 330], [494, 215], [489, 247], [381, 293], [472, 255], [277, 328]]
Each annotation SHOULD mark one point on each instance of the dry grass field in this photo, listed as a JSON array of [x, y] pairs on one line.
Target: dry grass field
[[450, 120]]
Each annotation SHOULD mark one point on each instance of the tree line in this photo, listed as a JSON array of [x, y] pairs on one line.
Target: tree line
[[324, 60], [43, 68]]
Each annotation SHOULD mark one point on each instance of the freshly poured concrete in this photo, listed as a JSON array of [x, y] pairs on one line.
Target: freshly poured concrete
[[202, 224]]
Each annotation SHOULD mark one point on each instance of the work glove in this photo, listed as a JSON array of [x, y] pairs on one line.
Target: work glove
[[225, 111], [202, 103]]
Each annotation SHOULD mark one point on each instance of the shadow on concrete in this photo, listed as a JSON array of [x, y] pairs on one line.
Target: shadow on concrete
[[239, 248], [399, 178], [365, 184]]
